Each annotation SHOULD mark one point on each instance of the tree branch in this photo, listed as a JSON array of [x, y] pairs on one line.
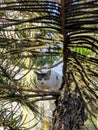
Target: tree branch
[[38, 91]]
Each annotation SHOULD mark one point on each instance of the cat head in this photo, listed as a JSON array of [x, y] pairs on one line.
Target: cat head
[[42, 78]]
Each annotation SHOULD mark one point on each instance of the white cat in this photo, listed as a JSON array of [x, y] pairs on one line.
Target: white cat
[[49, 80]]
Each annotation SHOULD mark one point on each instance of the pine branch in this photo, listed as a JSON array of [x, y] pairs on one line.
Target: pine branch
[[38, 91]]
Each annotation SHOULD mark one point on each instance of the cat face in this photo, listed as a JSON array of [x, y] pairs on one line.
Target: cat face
[[42, 78]]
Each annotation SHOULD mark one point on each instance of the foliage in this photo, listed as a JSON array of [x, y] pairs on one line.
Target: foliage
[[32, 35]]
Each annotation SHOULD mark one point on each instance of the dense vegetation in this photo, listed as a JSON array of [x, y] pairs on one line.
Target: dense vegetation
[[34, 33]]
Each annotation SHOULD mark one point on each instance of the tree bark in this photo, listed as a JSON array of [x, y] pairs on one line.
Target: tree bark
[[69, 113]]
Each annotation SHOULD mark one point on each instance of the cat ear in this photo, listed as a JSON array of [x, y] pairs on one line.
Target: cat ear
[[49, 73]]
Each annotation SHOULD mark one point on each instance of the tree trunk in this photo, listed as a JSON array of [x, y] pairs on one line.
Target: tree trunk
[[69, 113]]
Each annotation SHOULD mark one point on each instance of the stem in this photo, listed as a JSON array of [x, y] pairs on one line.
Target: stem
[[65, 42], [22, 88]]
